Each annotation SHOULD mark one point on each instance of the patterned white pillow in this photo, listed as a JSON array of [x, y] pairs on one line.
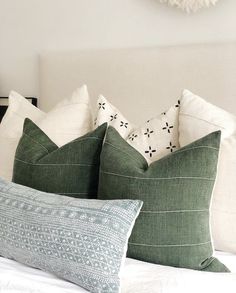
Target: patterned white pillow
[[106, 112], [73, 116], [154, 139]]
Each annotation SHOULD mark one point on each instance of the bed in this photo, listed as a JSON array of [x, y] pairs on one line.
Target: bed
[[137, 276], [132, 75]]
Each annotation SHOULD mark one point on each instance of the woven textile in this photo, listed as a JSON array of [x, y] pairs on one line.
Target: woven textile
[[173, 227], [70, 170], [83, 241]]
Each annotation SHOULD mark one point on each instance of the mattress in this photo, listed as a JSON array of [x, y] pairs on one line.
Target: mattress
[[137, 276]]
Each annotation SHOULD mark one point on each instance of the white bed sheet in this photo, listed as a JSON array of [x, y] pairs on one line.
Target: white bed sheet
[[137, 277], [228, 259]]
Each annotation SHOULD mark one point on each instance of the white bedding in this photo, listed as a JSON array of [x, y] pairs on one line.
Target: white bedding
[[137, 277]]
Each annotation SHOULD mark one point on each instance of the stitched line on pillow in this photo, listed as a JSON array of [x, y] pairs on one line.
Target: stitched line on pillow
[[172, 154], [174, 211], [125, 152], [184, 114], [184, 150], [36, 142], [73, 193], [36, 164], [152, 178], [170, 245]]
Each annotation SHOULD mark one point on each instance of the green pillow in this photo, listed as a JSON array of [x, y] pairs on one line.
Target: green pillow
[[70, 170], [173, 227]]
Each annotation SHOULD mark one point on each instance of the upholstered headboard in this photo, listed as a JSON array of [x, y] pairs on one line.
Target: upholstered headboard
[[145, 81]]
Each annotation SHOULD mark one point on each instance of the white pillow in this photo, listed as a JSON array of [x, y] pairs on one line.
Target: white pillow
[[196, 119], [154, 139], [68, 120], [106, 112]]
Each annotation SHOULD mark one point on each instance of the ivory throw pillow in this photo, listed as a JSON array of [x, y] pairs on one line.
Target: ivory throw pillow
[[198, 118], [154, 139], [68, 120], [173, 227], [11, 129], [80, 240], [70, 170]]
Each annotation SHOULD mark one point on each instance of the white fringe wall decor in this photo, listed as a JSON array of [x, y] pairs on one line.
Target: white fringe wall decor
[[190, 5]]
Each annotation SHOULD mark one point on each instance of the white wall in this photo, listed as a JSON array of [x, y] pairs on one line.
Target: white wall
[[28, 27]]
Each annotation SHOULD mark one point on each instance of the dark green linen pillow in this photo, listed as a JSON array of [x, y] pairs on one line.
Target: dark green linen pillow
[[173, 226], [70, 170]]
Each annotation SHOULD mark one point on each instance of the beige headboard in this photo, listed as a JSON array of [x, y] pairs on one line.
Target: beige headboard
[[142, 82]]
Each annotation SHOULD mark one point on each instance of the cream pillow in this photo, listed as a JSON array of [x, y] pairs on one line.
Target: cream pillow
[[197, 118], [154, 139], [107, 113], [68, 120]]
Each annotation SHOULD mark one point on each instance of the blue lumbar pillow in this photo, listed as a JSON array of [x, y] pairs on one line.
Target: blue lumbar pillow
[[81, 240]]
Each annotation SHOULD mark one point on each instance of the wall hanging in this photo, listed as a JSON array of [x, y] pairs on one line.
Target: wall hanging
[[190, 5]]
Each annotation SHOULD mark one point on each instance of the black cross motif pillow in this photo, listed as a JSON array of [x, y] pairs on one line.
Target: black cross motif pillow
[[155, 139]]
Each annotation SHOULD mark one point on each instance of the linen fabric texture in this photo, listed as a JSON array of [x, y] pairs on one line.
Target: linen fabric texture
[[198, 118], [70, 170], [83, 241], [154, 139], [11, 128], [62, 124], [173, 227]]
